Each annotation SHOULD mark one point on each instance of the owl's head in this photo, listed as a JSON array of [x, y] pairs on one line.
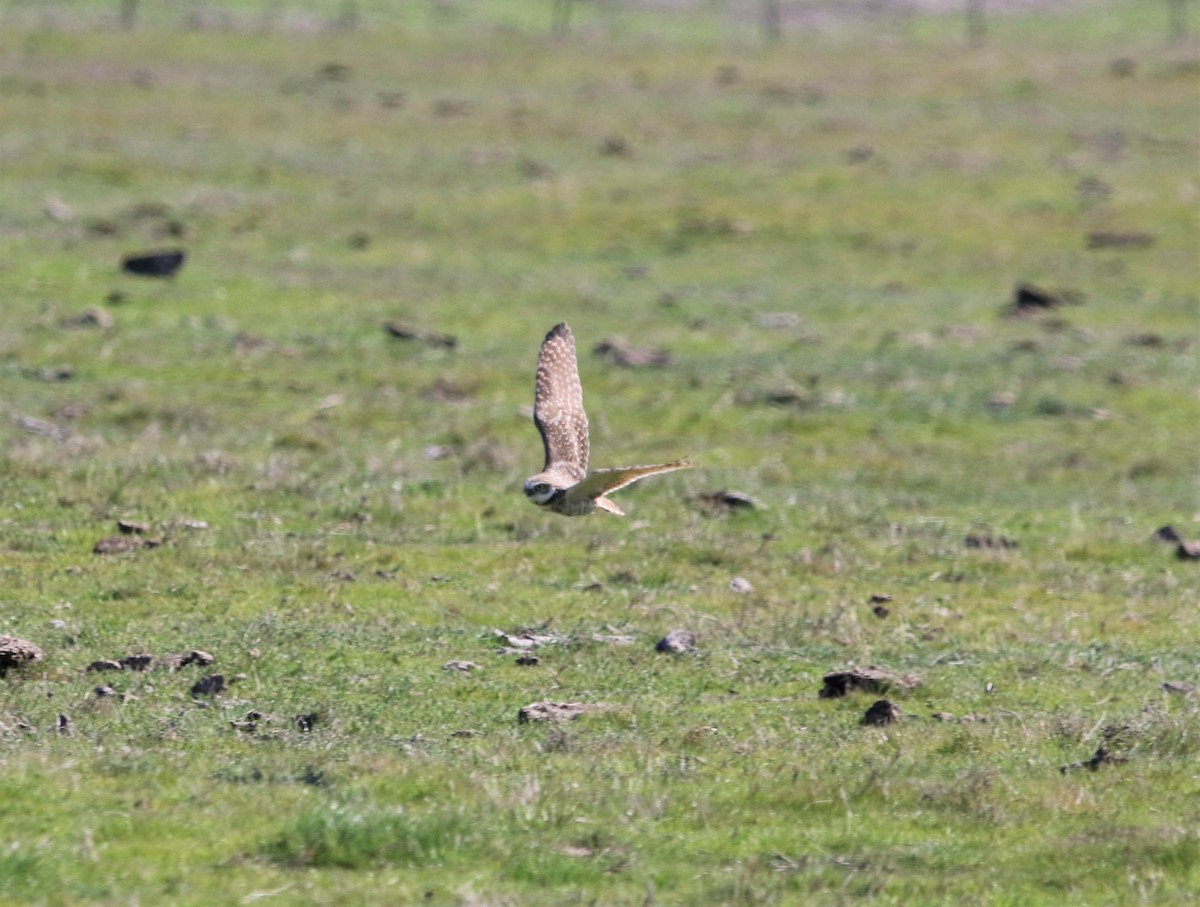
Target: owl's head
[[539, 491]]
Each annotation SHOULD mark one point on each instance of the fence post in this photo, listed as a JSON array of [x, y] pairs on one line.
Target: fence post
[[976, 22], [1178, 27], [560, 17], [772, 21]]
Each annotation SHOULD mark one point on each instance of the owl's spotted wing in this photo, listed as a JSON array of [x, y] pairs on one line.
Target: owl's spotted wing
[[558, 405], [602, 481]]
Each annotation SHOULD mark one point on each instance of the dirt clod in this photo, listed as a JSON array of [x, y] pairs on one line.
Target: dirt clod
[[183, 659], [725, 501], [429, 338], [553, 711], [122, 544], [1132, 240], [158, 263], [987, 540], [677, 642], [620, 352], [210, 685], [306, 722], [1028, 299], [881, 712], [1102, 756], [16, 653], [870, 679]]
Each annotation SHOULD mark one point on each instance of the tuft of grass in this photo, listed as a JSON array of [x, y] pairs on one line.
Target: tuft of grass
[[344, 835]]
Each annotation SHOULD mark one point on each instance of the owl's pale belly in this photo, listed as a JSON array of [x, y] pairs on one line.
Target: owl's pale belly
[[559, 504]]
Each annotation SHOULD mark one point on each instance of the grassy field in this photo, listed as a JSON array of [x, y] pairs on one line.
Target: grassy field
[[825, 236]]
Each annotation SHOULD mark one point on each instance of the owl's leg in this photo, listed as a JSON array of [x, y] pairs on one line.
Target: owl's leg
[[604, 503]]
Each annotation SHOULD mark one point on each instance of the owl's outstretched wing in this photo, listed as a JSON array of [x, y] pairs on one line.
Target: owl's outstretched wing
[[558, 405], [602, 481]]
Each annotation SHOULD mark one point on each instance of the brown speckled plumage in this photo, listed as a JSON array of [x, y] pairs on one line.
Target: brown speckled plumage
[[564, 485]]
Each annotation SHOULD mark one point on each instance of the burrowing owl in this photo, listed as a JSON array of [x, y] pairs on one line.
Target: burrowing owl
[[564, 484]]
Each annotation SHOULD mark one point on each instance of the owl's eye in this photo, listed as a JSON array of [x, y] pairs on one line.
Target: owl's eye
[[540, 491]]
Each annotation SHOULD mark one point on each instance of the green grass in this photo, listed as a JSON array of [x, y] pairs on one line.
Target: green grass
[[880, 189]]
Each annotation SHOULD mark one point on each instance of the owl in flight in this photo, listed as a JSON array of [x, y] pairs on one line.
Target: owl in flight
[[564, 484]]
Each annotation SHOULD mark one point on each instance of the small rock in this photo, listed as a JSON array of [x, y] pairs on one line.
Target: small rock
[[741, 585], [104, 692], [17, 653], [463, 666], [58, 210], [881, 712], [1168, 534], [105, 665], [677, 642], [528, 661], [138, 662], [43, 427], [130, 527], [1178, 686]]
